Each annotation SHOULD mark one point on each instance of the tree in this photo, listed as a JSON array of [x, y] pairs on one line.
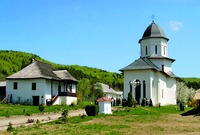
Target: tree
[[97, 90], [83, 89], [130, 99], [184, 94]]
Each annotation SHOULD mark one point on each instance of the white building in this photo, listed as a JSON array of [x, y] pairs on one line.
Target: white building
[[39, 83], [105, 105], [110, 92], [151, 75]]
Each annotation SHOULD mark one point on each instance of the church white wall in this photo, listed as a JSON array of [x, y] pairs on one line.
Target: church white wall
[[150, 43], [142, 75], [164, 89], [159, 62]]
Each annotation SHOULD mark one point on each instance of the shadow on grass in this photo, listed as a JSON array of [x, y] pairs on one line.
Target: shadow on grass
[[195, 112]]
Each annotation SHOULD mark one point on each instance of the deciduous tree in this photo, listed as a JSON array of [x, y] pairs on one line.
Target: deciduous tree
[[83, 89]]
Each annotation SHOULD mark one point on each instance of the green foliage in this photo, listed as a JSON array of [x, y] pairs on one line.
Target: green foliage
[[29, 110], [183, 93], [97, 91], [130, 100], [64, 116], [10, 127], [13, 61], [41, 107], [191, 82], [92, 110], [83, 89]]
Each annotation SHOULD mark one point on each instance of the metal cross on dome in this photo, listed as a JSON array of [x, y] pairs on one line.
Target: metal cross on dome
[[153, 17]]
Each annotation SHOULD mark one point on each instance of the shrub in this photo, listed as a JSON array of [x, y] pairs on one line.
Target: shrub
[[30, 120], [124, 102], [37, 123], [130, 100], [72, 104], [41, 107], [10, 127], [118, 101], [92, 110], [143, 102], [193, 103], [64, 116]]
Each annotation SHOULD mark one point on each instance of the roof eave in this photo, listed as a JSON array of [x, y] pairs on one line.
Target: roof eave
[[152, 37]]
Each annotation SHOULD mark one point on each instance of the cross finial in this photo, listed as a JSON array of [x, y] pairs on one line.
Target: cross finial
[[153, 17]]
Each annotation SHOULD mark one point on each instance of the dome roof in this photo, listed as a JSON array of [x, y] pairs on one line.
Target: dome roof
[[153, 31]]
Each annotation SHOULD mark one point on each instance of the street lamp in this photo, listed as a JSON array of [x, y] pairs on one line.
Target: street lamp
[[134, 83]]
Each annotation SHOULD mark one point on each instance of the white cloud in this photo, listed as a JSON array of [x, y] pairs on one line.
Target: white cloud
[[175, 25]]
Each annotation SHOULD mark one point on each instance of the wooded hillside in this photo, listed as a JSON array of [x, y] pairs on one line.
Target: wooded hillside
[[13, 61]]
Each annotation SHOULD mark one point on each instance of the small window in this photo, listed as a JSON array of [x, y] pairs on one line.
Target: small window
[[156, 49], [70, 87], [163, 68], [33, 86], [15, 85], [146, 50], [164, 50]]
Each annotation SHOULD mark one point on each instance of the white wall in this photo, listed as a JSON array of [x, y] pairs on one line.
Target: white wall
[[24, 91], [150, 43], [105, 107], [159, 87], [142, 75], [65, 100]]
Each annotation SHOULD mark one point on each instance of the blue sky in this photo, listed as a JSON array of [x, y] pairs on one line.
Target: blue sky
[[102, 34]]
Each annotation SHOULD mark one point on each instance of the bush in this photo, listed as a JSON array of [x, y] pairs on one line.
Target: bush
[[92, 110], [64, 115], [130, 100], [10, 127], [124, 102], [118, 101], [193, 103], [41, 107], [30, 120], [150, 103], [143, 102]]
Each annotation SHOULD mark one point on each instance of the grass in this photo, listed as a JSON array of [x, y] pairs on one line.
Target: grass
[[140, 120], [8, 110]]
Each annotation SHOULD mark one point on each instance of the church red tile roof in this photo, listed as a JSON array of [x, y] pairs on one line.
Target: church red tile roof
[[104, 99]]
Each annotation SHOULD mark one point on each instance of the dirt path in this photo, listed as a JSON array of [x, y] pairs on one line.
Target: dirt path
[[47, 117]]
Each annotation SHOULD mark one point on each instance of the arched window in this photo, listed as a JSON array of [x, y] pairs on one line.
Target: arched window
[[164, 50], [146, 50], [144, 89], [156, 49]]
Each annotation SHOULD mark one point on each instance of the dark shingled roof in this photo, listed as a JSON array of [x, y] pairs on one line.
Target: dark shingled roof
[[141, 63], [145, 63], [65, 75], [41, 70], [153, 30]]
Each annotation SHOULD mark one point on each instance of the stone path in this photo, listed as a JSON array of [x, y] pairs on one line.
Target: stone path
[[47, 117]]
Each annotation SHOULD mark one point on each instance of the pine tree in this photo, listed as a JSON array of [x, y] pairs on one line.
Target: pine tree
[[130, 100]]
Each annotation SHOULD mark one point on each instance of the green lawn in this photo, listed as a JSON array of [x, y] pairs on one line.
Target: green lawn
[[128, 121], [8, 110]]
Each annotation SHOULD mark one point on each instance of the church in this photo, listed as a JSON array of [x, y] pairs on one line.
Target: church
[[150, 76]]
